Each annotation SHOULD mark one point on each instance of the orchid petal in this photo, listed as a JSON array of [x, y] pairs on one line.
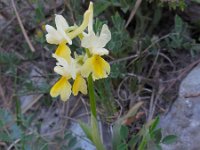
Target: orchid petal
[[64, 51], [62, 87], [61, 22], [105, 36], [84, 24], [52, 36], [97, 66], [79, 85], [100, 51]]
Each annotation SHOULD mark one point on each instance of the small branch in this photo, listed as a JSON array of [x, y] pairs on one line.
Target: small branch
[[22, 28], [183, 74], [123, 59], [13, 144], [137, 4]]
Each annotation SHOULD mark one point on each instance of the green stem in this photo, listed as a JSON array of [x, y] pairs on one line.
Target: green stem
[[92, 96]]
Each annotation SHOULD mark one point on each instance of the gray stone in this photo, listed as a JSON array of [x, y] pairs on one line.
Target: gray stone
[[83, 141], [183, 119], [37, 80]]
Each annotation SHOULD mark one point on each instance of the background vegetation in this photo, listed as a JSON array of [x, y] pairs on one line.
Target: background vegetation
[[154, 45]]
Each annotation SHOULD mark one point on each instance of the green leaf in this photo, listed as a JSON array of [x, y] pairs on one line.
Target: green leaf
[[72, 142], [67, 135], [44, 146], [122, 146], [134, 140], [116, 140], [123, 132], [124, 5], [118, 21], [143, 144], [101, 6], [169, 139], [117, 126], [157, 135], [1, 123], [178, 24], [16, 131], [98, 25], [158, 147], [27, 147], [154, 124], [118, 70], [4, 137], [39, 13], [86, 130], [95, 134], [132, 111], [9, 58]]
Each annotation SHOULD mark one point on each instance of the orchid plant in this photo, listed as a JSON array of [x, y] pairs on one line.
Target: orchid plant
[[80, 67], [89, 65]]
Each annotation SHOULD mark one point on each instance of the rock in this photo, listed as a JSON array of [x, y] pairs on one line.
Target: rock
[[37, 80], [83, 141], [183, 119]]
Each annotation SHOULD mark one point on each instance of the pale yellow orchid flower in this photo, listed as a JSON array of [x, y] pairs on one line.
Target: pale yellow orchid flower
[[79, 83], [68, 69], [97, 66], [59, 35], [63, 33], [62, 87], [95, 44]]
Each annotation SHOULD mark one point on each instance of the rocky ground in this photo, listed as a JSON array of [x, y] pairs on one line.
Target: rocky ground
[[150, 57], [183, 119]]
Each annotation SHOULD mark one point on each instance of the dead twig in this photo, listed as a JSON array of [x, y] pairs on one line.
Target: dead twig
[[14, 143], [121, 108], [22, 28], [123, 59], [157, 41], [75, 107], [17, 141], [154, 63], [183, 74], [168, 59], [119, 89], [137, 4], [2, 95], [12, 19], [153, 102]]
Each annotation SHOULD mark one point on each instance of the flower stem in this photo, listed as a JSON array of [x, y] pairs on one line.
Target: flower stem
[[92, 96]]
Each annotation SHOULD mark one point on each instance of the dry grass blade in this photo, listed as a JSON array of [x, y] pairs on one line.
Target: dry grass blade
[[153, 103], [137, 4], [17, 141], [2, 95], [22, 28], [14, 143], [132, 112], [32, 102]]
